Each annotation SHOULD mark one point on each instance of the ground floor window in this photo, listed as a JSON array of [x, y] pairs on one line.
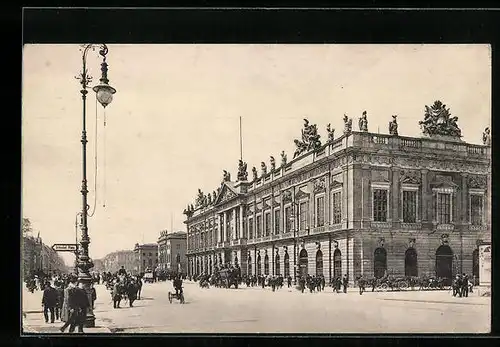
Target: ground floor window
[[337, 263], [444, 262], [380, 262], [266, 265], [303, 263], [319, 263], [277, 264], [411, 264]]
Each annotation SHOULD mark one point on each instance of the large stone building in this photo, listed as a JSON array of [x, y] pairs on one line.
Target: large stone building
[[38, 257], [146, 257], [362, 204], [113, 262], [172, 249]]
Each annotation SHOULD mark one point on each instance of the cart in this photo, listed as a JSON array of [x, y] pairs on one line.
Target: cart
[[179, 297]]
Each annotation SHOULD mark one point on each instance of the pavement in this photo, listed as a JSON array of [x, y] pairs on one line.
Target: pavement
[[257, 310]]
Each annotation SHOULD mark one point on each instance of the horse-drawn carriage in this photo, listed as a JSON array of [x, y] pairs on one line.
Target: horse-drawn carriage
[[229, 277]]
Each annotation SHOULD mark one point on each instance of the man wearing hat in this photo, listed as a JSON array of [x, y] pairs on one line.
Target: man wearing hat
[[49, 302]]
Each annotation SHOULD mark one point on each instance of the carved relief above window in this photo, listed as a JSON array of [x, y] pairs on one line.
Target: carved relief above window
[[477, 182], [286, 196], [410, 177], [380, 176], [320, 185]]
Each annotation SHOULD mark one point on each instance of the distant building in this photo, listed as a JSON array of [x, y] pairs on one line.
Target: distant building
[[98, 265], [146, 256], [172, 249], [39, 257], [114, 261]]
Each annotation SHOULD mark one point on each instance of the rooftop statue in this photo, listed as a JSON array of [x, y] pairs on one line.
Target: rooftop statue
[[438, 121], [226, 176], [242, 171], [200, 198], [254, 173], [363, 122], [310, 139], [301, 147], [214, 196], [347, 125], [273, 164], [209, 199], [283, 158], [487, 137], [393, 126], [331, 133], [263, 168]]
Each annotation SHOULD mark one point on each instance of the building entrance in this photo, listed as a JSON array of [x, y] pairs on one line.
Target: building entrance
[[303, 263], [444, 263]]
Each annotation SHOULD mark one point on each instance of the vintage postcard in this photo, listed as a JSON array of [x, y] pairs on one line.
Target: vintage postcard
[[256, 188]]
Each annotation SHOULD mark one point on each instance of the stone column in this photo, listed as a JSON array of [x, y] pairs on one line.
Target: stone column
[[424, 205], [241, 219], [224, 232], [395, 195], [464, 208]]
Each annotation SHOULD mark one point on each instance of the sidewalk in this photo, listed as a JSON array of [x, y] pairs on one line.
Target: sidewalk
[[34, 322]]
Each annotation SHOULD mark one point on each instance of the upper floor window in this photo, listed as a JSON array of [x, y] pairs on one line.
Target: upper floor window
[[287, 219], [320, 211], [380, 204], [178, 246], [250, 228], [476, 209], [444, 208], [259, 226], [268, 223], [276, 222], [304, 214], [410, 205], [337, 207]]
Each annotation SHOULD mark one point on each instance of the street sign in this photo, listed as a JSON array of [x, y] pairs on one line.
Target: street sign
[[64, 247]]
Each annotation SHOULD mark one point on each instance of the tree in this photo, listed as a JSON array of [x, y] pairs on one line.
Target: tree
[[26, 227]]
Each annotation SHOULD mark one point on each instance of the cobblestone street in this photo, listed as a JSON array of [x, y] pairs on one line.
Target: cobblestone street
[[254, 310]]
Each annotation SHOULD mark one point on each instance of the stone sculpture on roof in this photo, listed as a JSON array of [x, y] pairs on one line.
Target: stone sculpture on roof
[[283, 158], [393, 126], [273, 163], [331, 133], [438, 121], [310, 139], [347, 125], [363, 122], [487, 137], [242, 171], [254, 173], [263, 168]]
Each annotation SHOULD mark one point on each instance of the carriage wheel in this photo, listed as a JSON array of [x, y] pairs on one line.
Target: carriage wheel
[[170, 297], [181, 298], [403, 285], [384, 286]]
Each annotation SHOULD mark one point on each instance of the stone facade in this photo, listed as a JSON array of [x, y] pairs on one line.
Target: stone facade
[[38, 257], [146, 257], [113, 262], [172, 249], [363, 204]]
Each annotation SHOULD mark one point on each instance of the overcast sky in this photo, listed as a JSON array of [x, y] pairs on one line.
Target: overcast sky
[[173, 125]]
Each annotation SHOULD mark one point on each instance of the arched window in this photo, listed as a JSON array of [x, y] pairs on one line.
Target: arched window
[[258, 270], [444, 263], [286, 265], [266, 265], [303, 263], [277, 264], [411, 264], [337, 263], [319, 263], [475, 265], [249, 262], [379, 262]]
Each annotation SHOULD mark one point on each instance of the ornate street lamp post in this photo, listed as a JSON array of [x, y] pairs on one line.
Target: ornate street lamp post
[[104, 96]]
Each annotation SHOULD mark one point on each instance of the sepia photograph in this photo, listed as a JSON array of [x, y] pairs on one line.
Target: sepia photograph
[[256, 188]]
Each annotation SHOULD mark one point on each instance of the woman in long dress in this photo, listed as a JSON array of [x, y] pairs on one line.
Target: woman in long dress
[[65, 308]]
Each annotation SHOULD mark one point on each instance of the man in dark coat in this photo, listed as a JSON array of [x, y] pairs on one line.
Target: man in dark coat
[[49, 302], [122, 271], [344, 283], [60, 300], [78, 303]]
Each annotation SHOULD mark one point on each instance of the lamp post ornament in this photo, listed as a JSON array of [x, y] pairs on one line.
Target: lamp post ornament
[[104, 94]]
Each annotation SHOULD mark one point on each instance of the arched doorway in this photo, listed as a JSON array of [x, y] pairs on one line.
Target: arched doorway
[[411, 264], [258, 270], [337, 263], [286, 265], [379, 262], [444, 262], [249, 262], [303, 263], [319, 263], [475, 266], [266, 265]]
